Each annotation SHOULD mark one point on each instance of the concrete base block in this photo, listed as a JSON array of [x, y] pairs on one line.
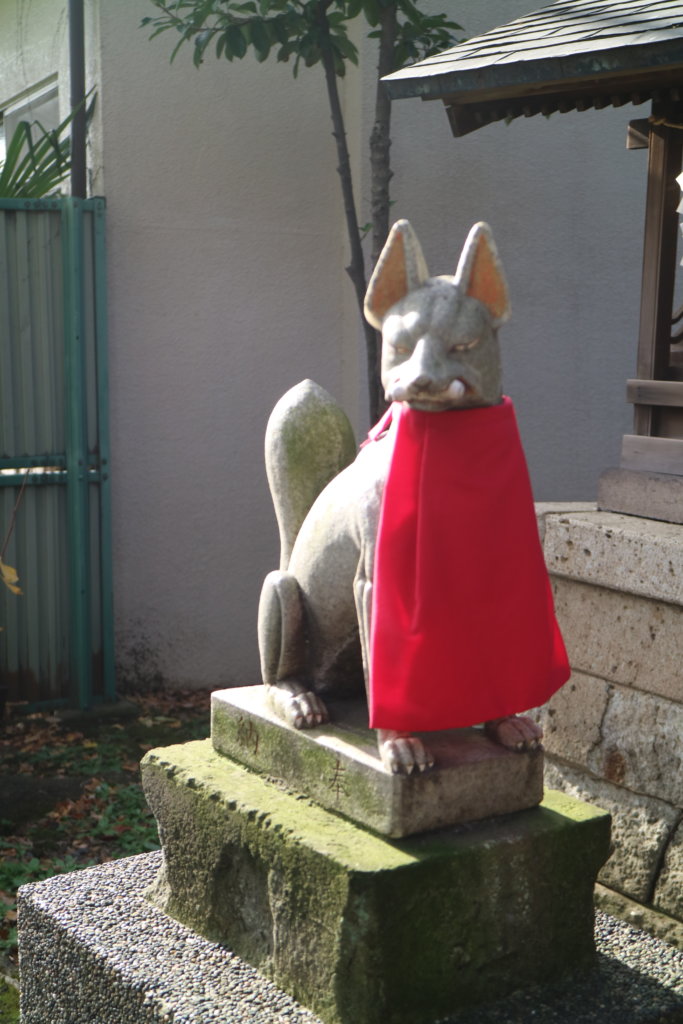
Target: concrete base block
[[94, 951], [359, 927], [339, 767]]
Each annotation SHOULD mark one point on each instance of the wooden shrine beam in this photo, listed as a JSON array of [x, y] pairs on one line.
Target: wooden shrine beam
[[655, 392], [659, 253]]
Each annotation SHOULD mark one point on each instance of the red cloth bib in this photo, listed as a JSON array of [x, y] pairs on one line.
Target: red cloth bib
[[463, 624]]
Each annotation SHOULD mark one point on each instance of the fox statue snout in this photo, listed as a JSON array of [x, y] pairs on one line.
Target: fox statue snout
[[439, 353], [425, 376]]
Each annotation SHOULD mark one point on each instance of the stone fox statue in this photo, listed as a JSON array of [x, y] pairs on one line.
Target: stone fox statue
[[414, 567]]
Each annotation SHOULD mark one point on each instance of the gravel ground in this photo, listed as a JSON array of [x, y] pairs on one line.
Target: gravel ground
[[92, 951]]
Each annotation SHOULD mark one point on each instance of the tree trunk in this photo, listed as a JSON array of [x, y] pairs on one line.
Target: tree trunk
[[380, 137], [356, 267], [380, 165]]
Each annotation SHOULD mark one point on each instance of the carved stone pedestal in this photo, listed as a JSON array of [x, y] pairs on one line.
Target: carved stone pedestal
[[338, 765], [359, 927]]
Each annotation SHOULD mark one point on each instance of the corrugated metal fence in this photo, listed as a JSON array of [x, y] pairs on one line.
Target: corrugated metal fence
[[56, 647]]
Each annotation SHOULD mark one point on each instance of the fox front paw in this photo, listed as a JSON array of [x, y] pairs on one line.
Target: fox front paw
[[403, 754], [299, 707], [516, 732]]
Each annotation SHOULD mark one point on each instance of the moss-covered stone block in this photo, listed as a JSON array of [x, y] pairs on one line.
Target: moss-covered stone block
[[359, 927]]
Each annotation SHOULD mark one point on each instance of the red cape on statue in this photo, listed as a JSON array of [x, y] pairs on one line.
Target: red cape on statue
[[463, 624]]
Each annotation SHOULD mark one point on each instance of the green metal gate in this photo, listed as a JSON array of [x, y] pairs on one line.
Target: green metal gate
[[56, 644]]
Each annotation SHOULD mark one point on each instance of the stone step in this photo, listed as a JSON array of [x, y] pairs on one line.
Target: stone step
[[338, 766]]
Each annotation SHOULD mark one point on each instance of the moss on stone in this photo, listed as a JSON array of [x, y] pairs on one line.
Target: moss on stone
[[198, 766], [362, 927], [291, 756]]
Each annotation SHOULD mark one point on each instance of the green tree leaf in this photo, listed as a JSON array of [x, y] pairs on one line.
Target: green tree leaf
[[260, 39], [236, 43]]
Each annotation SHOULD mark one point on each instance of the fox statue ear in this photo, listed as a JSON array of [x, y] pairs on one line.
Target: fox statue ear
[[400, 268], [480, 273]]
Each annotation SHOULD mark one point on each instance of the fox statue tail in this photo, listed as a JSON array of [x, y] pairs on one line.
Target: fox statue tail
[[308, 441]]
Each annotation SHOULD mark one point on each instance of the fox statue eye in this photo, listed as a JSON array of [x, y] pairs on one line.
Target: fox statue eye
[[464, 346], [399, 332]]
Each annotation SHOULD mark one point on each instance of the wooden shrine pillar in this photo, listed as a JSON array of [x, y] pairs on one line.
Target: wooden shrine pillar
[[649, 481]]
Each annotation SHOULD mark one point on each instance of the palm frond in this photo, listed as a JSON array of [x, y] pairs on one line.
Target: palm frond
[[37, 167]]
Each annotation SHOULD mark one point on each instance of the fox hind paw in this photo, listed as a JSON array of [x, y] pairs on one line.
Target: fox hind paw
[[403, 754], [516, 732]]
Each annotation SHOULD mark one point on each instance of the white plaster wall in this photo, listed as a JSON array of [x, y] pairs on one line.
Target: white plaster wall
[[226, 285], [225, 289]]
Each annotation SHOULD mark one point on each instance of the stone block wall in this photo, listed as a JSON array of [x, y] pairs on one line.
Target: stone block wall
[[614, 732]]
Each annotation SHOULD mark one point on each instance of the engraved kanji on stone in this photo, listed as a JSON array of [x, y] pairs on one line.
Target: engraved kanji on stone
[[247, 734], [338, 780]]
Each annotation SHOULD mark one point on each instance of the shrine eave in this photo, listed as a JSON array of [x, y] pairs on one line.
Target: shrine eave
[[538, 66]]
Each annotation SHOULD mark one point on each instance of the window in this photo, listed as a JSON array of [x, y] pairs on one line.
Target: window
[[40, 104]]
